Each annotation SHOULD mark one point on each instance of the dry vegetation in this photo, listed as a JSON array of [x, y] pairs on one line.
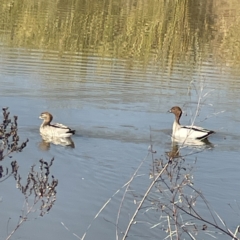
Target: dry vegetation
[[39, 188], [172, 196]]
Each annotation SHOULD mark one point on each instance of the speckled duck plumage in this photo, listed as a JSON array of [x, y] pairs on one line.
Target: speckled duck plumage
[[53, 130]]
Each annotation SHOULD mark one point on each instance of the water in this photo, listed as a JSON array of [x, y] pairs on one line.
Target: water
[[115, 88]]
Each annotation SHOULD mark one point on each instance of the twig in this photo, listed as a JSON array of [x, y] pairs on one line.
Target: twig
[[237, 230], [208, 222], [142, 201], [44, 191], [169, 227], [105, 204], [23, 219], [128, 184]]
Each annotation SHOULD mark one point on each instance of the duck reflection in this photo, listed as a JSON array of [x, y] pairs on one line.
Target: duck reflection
[[174, 153], [47, 141], [204, 143], [198, 145]]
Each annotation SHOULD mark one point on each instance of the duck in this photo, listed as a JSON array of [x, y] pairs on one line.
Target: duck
[[187, 132], [53, 130]]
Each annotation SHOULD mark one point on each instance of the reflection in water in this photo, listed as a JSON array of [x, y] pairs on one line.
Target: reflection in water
[[193, 143], [174, 153], [128, 30], [116, 65], [46, 141]]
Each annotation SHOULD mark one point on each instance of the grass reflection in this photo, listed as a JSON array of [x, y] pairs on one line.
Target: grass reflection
[[149, 31], [153, 31]]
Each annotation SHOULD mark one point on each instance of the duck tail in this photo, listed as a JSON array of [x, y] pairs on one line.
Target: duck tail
[[71, 131], [205, 136]]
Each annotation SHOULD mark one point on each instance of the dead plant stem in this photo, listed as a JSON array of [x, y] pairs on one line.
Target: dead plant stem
[[125, 192], [208, 222], [142, 201]]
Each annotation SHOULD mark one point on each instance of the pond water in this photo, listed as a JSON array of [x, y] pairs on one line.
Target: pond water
[[111, 72]]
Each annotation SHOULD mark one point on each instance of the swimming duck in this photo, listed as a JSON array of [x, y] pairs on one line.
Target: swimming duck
[[53, 130], [191, 132]]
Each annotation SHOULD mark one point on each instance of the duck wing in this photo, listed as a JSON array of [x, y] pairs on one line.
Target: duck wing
[[56, 130], [193, 132], [59, 125], [62, 128]]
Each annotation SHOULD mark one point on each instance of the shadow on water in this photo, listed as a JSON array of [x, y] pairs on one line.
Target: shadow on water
[[123, 134]]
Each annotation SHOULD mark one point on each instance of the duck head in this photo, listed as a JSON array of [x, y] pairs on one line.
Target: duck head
[[47, 117], [177, 111]]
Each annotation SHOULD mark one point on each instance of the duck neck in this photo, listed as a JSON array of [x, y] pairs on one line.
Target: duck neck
[[176, 124], [177, 118], [45, 123]]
